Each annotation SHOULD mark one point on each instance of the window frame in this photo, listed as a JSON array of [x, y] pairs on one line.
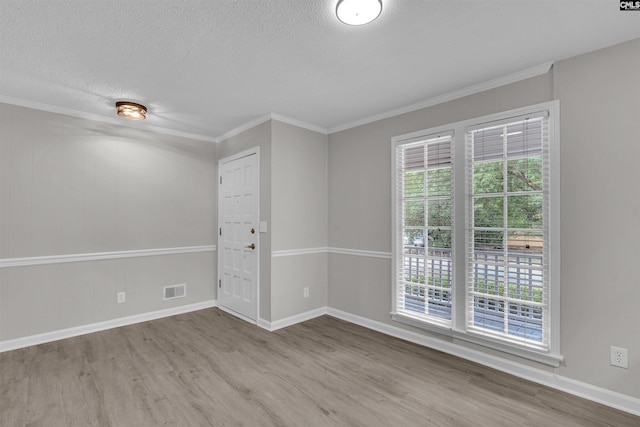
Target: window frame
[[457, 329]]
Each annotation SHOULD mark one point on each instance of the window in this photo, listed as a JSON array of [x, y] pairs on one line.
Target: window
[[424, 169], [491, 185], [507, 294]]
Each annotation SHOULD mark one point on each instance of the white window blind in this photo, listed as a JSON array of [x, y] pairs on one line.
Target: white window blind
[[424, 213], [507, 232]]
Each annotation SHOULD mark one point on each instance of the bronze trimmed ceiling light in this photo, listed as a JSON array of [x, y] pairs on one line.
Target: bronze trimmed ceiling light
[[358, 12], [131, 110]]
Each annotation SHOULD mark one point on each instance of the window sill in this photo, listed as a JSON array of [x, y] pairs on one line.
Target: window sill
[[421, 324], [550, 359]]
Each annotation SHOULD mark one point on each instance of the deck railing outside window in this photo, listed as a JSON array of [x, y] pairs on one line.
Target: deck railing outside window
[[432, 266]]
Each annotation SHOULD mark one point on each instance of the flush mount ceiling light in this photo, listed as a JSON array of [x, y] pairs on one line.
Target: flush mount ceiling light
[[358, 12], [131, 110]]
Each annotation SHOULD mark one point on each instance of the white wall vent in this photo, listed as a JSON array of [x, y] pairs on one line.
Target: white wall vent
[[174, 291]]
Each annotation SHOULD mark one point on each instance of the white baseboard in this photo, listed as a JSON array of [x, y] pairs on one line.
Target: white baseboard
[[264, 324], [601, 395], [289, 321], [101, 326]]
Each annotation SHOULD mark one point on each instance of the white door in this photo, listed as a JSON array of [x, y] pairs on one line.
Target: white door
[[238, 243]]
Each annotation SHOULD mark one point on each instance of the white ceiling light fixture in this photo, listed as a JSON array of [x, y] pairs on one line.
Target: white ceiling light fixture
[[358, 12], [131, 110]]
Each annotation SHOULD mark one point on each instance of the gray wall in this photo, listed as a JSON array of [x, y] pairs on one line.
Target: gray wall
[[74, 186], [599, 105], [299, 211], [299, 187], [600, 129], [360, 191]]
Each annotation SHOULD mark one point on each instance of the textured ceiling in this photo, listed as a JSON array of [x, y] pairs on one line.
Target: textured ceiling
[[204, 67]]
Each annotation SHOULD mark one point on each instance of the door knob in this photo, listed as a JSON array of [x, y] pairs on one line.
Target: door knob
[[251, 246]]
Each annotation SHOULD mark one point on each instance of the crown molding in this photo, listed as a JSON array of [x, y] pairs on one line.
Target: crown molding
[[271, 116], [330, 250], [103, 119], [450, 96], [299, 123], [238, 130]]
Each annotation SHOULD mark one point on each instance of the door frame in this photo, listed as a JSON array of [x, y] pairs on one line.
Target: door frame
[[251, 151]]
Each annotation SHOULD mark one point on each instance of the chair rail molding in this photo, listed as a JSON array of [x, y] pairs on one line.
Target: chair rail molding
[[98, 256]]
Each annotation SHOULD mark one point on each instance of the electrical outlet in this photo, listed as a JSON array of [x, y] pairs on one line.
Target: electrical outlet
[[305, 292], [619, 357], [121, 297]]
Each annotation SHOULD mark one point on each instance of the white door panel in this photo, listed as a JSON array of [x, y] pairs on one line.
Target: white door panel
[[238, 241]]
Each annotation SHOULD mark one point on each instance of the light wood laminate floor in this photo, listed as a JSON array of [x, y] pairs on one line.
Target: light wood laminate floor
[[209, 368]]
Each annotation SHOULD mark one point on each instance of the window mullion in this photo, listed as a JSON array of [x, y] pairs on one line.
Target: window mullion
[[505, 227]]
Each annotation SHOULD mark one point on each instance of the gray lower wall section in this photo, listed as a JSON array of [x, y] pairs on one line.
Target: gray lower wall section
[[48, 298], [290, 275], [360, 285]]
